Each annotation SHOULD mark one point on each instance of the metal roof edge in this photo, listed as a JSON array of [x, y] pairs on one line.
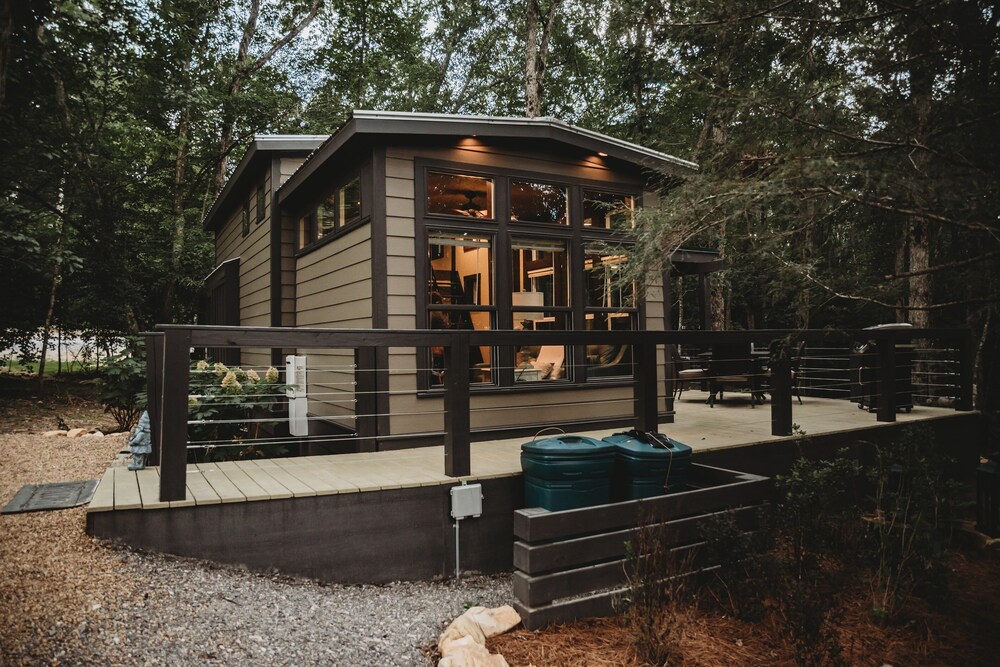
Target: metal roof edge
[[261, 143], [362, 114]]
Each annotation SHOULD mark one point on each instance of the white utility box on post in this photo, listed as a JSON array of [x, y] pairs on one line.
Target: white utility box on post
[[298, 402], [466, 501]]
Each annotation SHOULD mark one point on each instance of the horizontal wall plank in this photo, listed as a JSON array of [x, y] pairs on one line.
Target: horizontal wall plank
[[540, 558], [570, 523]]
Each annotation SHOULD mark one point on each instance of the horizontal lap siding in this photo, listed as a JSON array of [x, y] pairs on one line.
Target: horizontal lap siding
[[415, 415], [253, 251], [334, 289]]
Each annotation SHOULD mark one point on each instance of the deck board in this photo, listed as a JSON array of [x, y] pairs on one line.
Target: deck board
[[227, 490], [730, 423], [103, 499], [200, 489], [149, 489], [296, 486], [246, 484], [127, 496]]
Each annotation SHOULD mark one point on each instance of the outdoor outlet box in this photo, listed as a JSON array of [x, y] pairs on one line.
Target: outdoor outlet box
[[466, 501]]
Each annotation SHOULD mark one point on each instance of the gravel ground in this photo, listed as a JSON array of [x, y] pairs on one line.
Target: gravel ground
[[67, 599]]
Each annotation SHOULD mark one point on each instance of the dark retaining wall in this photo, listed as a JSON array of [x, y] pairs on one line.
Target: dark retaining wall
[[407, 534], [371, 537]]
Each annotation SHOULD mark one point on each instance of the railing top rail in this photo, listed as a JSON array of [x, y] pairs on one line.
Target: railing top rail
[[303, 337]]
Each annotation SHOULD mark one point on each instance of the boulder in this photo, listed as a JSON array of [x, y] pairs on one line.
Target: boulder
[[76, 432], [463, 643], [53, 434]]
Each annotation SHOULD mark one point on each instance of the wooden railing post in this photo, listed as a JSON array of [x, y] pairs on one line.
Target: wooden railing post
[[886, 381], [173, 448], [781, 394], [457, 460], [644, 384], [154, 393], [966, 368]]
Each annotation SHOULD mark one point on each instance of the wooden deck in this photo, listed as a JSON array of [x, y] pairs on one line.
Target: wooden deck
[[732, 423]]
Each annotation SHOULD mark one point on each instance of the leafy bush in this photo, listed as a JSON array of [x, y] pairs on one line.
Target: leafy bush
[[818, 507], [230, 406], [910, 529], [123, 385]]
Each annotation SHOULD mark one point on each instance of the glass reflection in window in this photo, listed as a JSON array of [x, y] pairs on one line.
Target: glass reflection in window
[[326, 216], [540, 266], [604, 210], [459, 194], [607, 284], [350, 202], [538, 202]]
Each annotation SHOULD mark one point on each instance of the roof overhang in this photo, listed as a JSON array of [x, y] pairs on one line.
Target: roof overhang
[[258, 155], [407, 124]]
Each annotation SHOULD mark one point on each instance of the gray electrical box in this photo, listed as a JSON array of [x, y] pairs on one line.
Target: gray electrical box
[[466, 501]]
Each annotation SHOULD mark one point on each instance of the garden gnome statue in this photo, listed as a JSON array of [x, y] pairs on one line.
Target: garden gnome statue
[[140, 443]]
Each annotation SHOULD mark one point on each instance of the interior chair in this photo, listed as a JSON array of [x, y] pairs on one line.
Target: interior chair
[[685, 371], [550, 362]]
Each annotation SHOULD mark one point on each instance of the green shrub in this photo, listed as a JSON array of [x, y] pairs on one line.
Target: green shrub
[[909, 530], [230, 406], [123, 385]]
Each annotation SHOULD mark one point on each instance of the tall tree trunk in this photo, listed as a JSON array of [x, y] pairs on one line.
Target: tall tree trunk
[[57, 260], [536, 53], [178, 212], [6, 31], [921, 77]]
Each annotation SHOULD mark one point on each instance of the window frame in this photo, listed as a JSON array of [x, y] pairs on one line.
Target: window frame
[[309, 214], [503, 229]]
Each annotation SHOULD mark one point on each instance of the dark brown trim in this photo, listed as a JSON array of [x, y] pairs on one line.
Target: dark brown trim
[[343, 231], [380, 281], [274, 234]]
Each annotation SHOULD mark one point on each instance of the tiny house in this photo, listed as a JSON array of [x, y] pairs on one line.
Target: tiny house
[[407, 221]]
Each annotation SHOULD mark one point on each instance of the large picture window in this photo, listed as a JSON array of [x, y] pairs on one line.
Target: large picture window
[[534, 260]]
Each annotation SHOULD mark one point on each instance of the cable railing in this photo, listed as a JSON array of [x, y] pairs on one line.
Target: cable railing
[[365, 390]]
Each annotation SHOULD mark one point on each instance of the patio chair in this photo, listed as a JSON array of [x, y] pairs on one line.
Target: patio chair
[[685, 371], [732, 367]]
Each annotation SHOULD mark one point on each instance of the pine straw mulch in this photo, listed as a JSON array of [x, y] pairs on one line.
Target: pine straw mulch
[[962, 629]]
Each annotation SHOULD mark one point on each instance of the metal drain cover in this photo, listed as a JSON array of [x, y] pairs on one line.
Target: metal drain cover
[[40, 497]]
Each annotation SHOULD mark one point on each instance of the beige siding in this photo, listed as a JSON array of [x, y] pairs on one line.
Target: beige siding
[[334, 289], [288, 166], [253, 251]]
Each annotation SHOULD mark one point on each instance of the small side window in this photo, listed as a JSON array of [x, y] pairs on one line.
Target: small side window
[[260, 204], [246, 218]]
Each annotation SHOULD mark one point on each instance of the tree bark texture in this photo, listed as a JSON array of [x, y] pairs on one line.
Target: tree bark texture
[[536, 51]]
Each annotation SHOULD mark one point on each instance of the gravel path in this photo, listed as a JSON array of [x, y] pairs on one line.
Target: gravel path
[[67, 599]]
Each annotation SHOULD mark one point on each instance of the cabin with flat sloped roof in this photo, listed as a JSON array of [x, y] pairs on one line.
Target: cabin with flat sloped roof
[[406, 221]]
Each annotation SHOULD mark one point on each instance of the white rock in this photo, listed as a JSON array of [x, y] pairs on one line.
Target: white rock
[[95, 434], [53, 434]]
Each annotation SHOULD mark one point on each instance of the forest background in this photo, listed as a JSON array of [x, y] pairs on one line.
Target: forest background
[[848, 148]]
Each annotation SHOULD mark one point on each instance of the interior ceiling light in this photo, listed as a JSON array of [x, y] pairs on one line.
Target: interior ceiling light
[[602, 153]]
